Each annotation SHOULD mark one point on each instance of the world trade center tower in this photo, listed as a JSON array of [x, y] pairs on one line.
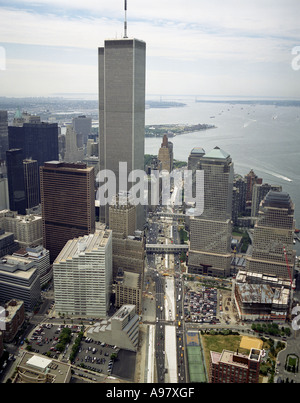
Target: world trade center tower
[[121, 64]]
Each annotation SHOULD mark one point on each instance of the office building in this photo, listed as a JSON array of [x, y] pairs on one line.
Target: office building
[[121, 330], [165, 154], [27, 229], [24, 117], [273, 236], [36, 368], [234, 367], [41, 258], [128, 289], [32, 183], [73, 153], [68, 203], [16, 182], [3, 135], [193, 164], [128, 243], [19, 279], [210, 233], [259, 192], [14, 319], [82, 275], [122, 110], [122, 216], [251, 180], [39, 141], [82, 126], [8, 244], [238, 199], [4, 197]]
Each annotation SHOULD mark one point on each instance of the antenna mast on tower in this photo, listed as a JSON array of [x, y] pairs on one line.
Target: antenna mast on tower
[[125, 21]]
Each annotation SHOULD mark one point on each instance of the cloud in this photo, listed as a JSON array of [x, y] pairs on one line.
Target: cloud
[[217, 39]]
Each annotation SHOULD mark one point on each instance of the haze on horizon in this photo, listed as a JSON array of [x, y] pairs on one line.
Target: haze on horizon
[[196, 47]]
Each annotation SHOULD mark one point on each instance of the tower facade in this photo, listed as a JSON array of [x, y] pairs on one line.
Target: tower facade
[[210, 234], [32, 183], [165, 154], [38, 140], [273, 233], [68, 203], [15, 178], [122, 109]]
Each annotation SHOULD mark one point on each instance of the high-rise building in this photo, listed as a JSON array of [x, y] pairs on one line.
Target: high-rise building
[[82, 126], [122, 216], [128, 243], [273, 237], [82, 275], [68, 203], [39, 141], [32, 183], [4, 198], [238, 199], [193, 164], [210, 233], [165, 154], [19, 279], [122, 110], [27, 229], [73, 153], [259, 192], [3, 135], [16, 182], [251, 179]]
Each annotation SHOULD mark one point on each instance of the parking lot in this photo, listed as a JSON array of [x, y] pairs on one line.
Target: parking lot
[[201, 305], [92, 355]]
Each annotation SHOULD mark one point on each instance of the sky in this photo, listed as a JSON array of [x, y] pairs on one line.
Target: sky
[[203, 48]]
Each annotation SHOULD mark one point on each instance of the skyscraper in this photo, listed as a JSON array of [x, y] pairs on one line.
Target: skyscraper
[[165, 154], [3, 135], [32, 183], [83, 127], [210, 234], [16, 183], [273, 233], [68, 203], [39, 140], [122, 109]]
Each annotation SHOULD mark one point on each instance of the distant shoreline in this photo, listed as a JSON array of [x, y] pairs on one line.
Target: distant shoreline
[[175, 129]]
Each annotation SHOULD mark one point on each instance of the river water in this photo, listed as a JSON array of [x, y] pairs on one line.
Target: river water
[[265, 138]]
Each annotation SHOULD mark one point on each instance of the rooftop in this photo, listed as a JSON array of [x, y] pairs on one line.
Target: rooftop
[[217, 153], [277, 199], [80, 246]]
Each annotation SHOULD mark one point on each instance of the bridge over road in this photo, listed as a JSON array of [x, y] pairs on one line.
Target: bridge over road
[[166, 248]]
